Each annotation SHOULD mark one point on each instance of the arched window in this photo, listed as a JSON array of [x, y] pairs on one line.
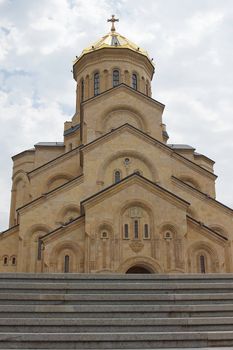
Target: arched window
[[147, 90], [126, 231], [13, 260], [136, 231], [96, 84], [202, 264], [134, 82], [146, 231], [82, 90], [117, 176], [67, 264], [5, 260], [115, 78], [39, 249]]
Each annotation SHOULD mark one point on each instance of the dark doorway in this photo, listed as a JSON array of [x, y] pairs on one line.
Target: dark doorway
[[137, 269]]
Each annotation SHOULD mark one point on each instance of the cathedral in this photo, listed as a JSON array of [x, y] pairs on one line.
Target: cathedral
[[115, 196]]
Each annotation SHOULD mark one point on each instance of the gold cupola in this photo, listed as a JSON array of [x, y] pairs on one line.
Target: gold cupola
[[112, 54]]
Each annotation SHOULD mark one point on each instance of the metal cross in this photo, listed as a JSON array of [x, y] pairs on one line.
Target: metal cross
[[113, 20]]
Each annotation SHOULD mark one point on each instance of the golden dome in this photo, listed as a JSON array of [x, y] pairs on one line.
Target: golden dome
[[113, 40]]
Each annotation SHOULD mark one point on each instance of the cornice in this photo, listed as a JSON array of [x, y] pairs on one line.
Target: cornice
[[46, 195], [158, 143], [83, 61], [12, 229], [202, 195], [76, 221], [207, 229], [136, 178], [54, 161], [129, 88], [23, 153]]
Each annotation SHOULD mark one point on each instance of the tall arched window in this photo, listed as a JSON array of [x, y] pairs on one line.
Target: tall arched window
[[115, 78], [13, 260], [147, 89], [136, 230], [126, 231], [134, 82], [202, 264], [39, 248], [96, 84], [5, 260], [117, 176], [82, 90], [146, 231], [67, 264]]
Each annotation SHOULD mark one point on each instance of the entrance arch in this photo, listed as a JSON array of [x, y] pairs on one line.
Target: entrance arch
[[145, 262], [138, 269]]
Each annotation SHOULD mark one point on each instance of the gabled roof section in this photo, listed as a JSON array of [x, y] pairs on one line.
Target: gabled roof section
[[49, 144], [44, 195], [60, 157], [211, 199], [9, 230], [23, 153], [115, 88], [62, 227], [153, 140], [203, 226], [71, 130], [126, 180]]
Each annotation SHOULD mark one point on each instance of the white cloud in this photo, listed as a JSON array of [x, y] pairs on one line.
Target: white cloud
[[191, 42]]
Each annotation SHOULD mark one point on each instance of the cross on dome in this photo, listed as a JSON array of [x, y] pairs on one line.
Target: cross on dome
[[113, 20]]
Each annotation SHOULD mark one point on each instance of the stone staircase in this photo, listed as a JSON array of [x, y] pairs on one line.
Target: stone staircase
[[90, 311]]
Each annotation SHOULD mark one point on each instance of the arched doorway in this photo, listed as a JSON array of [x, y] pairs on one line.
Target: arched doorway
[[138, 269]]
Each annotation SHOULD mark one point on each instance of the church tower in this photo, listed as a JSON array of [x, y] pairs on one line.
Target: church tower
[[114, 196]]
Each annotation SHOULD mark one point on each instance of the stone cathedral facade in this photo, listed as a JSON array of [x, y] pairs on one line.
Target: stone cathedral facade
[[115, 196]]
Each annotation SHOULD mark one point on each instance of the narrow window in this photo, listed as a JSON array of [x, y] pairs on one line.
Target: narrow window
[[126, 231], [134, 82], [115, 78], [117, 176], [147, 90], [67, 264], [202, 264], [96, 84], [136, 229], [14, 260], [5, 261], [146, 231], [39, 248], [82, 90]]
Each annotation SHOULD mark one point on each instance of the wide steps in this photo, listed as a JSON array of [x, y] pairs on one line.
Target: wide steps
[[110, 340], [108, 299], [84, 311], [87, 325]]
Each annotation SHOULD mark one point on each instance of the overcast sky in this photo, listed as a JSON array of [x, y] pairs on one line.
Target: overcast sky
[[191, 42]]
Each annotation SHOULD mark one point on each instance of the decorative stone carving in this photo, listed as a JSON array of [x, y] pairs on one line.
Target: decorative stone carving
[[135, 212], [136, 246]]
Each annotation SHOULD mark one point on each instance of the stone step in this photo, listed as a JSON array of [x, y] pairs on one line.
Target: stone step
[[94, 325], [116, 287], [110, 311], [115, 340], [130, 278], [108, 299]]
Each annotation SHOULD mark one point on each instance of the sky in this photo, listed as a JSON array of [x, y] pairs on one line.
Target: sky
[[191, 42]]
